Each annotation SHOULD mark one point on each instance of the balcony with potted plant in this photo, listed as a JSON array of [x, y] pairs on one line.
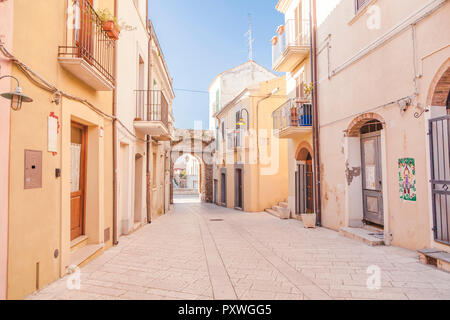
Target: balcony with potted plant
[[88, 53], [294, 117], [291, 45]]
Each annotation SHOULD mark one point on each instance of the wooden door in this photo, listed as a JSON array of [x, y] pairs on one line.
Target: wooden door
[[78, 180], [372, 178], [304, 188]]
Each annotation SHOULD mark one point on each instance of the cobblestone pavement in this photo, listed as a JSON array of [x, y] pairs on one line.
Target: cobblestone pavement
[[201, 251]]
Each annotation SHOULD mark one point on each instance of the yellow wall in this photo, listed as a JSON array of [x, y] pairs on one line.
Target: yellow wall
[[40, 218], [264, 184]]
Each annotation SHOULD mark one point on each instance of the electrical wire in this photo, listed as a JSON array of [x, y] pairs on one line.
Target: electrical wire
[[44, 85]]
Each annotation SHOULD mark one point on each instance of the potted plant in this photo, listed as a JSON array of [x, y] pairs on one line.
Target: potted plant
[[280, 30], [294, 115], [274, 40], [309, 220], [109, 23]]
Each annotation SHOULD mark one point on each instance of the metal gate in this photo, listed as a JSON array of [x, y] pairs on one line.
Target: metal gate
[[439, 133]]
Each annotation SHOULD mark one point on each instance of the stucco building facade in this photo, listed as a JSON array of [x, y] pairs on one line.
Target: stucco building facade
[[291, 50], [251, 163], [382, 76], [6, 38], [144, 106]]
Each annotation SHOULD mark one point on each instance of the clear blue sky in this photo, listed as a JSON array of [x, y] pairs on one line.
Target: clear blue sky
[[202, 38]]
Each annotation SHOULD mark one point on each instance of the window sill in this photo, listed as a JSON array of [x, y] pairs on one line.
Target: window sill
[[361, 12]]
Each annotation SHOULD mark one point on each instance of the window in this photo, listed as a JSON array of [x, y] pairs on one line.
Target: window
[[217, 101], [238, 128], [360, 4]]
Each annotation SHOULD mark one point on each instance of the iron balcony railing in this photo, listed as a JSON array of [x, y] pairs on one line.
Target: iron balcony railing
[[87, 39], [292, 114], [151, 105], [294, 35]]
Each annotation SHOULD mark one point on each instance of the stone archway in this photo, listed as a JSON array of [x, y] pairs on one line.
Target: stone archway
[[354, 129], [200, 144], [303, 150], [438, 95], [365, 133]]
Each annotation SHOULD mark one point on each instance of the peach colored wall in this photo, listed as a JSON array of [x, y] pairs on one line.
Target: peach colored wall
[[384, 75], [6, 12], [39, 219], [260, 178]]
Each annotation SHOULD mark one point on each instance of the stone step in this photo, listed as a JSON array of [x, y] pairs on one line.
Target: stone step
[[78, 243], [272, 212], [369, 237], [435, 257], [277, 208], [83, 255], [284, 204]]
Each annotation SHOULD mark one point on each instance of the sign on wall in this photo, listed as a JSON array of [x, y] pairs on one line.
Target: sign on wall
[[407, 179]]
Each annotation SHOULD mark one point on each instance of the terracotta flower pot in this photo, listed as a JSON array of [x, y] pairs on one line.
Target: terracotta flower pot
[[280, 30], [309, 220], [274, 41], [111, 29]]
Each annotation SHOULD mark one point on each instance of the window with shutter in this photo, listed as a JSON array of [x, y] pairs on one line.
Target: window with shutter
[[360, 4]]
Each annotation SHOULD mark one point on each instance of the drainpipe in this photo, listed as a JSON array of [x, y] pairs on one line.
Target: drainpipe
[[116, 191], [149, 81], [316, 144]]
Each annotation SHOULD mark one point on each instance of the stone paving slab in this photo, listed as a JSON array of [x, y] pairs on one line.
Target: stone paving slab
[[201, 251]]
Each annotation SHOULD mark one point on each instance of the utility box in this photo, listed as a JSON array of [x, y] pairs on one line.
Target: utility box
[[33, 169]]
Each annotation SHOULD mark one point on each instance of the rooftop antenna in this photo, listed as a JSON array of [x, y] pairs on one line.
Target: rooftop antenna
[[250, 38]]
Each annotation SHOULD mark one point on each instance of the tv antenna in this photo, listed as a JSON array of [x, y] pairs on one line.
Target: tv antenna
[[250, 38]]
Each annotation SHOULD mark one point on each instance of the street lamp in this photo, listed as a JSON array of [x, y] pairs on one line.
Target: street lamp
[[242, 122], [16, 97]]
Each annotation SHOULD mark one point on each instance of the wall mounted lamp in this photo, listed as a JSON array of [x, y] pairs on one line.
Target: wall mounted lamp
[[16, 97]]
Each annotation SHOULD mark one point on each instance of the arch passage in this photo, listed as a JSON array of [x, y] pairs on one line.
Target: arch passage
[[200, 144]]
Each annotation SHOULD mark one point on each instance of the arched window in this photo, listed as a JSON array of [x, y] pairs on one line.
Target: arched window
[[371, 126]]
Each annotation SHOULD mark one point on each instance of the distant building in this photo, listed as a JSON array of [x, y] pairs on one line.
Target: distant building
[[227, 85], [251, 163]]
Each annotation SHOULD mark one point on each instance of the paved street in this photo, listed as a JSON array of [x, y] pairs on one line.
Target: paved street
[[201, 251]]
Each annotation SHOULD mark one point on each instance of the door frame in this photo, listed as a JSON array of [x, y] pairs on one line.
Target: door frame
[[223, 191], [83, 175], [238, 168], [379, 193]]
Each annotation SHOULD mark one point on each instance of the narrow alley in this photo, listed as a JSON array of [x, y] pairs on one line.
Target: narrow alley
[[202, 251]]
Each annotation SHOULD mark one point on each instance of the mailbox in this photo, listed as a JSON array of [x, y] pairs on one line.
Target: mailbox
[[33, 169]]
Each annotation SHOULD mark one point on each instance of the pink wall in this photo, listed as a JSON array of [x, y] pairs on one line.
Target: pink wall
[[6, 12]]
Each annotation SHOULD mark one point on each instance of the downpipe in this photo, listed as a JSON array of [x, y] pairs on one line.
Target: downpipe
[[316, 141]]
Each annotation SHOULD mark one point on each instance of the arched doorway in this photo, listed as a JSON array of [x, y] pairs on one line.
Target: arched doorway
[[304, 180], [364, 170], [372, 177]]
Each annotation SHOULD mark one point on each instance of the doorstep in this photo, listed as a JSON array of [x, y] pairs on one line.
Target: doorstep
[[83, 255], [369, 237], [435, 257], [78, 243]]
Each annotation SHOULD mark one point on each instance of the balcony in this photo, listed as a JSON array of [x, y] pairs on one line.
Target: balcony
[[292, 119], [152, 114], [89, 51], [291, 46]]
